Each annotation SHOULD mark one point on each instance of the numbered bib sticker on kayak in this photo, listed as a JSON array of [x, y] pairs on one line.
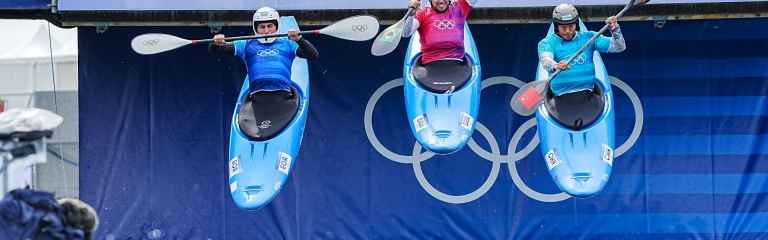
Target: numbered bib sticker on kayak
[[235, 166], [420, 123], [552, 159], [607, 154], [283, 162], [466, 121]]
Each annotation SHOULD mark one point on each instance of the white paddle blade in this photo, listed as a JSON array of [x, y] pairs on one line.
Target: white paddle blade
[[387, 40], [152, 43], [357, 28]]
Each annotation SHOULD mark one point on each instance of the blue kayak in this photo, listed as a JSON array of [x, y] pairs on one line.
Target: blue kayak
[[579, 155], [267, 129], [442, 108]]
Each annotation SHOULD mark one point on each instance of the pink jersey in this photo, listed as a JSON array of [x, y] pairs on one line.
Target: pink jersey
[[442, 34]]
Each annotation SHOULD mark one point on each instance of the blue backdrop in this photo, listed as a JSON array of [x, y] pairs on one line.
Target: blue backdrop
[[24, 4], [692, 155]]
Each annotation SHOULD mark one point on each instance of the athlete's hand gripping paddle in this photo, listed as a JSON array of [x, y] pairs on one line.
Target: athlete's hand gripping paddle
[[529, 97], [357, 28], [388, 39]]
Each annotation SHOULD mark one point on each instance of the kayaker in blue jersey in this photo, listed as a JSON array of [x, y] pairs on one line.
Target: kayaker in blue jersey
[[268, 60], [576, 79]]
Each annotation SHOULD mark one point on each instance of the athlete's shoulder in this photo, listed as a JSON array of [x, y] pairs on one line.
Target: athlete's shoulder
[[424, 11], [284, 41], [551, 38], [586, 34]]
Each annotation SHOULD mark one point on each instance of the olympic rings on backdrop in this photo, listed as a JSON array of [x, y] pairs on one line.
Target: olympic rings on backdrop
[[494, 156]]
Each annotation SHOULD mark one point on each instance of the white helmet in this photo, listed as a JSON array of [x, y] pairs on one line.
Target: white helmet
[[266, 14]]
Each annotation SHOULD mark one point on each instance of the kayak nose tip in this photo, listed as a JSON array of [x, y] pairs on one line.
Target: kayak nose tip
[[253, 190], [250, 197], [444, 142], [584, 185], [581, 179], [443, 134]]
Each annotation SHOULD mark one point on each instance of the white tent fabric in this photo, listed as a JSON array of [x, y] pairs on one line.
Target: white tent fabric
[[25, 60], [25, 67], [29, 41]]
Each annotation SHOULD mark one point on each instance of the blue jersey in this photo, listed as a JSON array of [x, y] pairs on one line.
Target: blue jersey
[[581, 76], [269, 65]]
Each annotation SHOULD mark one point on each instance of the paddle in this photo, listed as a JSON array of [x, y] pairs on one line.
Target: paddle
[[357, 28], [390, 37], [530, 96]]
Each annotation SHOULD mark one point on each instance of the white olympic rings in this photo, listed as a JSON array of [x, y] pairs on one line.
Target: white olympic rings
[[268, 52], [494, 156], [444, 24], [581, 59]]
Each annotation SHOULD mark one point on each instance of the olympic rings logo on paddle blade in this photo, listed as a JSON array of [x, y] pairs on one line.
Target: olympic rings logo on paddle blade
[[268, 52], [495, 156], [152, 42], [444, 24], [360, 28]]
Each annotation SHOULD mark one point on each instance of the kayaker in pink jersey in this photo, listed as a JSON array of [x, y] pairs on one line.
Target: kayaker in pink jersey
[[441, 34]]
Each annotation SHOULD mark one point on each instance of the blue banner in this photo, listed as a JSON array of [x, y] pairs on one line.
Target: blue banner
[[24, 4], [140, 5], [690, 160]]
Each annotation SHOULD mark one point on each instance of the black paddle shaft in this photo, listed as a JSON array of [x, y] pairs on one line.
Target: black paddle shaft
[[259, 36]]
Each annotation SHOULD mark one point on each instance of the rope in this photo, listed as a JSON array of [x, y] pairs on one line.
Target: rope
[[56, 104]]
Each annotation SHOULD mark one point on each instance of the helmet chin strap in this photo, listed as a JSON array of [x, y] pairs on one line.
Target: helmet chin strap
[[558, 33], [561, 37], [266, 40]]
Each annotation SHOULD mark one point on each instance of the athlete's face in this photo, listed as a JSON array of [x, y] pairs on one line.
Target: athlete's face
[[566, 32], [440, 5], [266, 28]]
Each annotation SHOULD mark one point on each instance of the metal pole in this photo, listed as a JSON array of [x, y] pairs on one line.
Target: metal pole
[[54, 6]]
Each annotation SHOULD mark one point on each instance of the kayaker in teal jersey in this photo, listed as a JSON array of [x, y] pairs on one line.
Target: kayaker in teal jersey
[[578, 77], [268, 60]]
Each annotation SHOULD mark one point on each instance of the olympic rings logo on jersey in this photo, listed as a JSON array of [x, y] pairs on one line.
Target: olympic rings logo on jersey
[[417, 157], [360, 28], [152, 42], [268, 52], [581, 59], [444, 24]]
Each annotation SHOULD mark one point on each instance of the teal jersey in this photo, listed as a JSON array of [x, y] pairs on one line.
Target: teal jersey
[[581, 76]]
